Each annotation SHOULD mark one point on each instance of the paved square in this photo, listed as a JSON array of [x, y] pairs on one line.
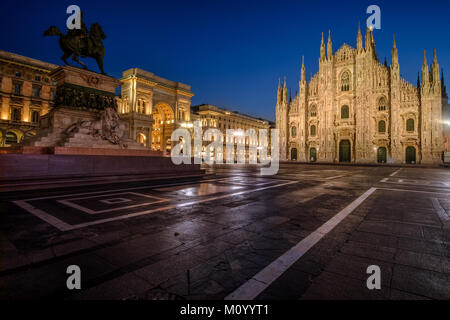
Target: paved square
[[309, 232], [93, 203]]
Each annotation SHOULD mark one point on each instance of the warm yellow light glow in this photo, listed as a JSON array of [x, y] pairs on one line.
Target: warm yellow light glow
[[187, 125]]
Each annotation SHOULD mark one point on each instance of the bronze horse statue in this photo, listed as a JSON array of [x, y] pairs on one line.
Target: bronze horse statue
[[81, 43]]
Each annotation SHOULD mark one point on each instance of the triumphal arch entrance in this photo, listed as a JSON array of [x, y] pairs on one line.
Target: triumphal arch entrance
[[154, 107]]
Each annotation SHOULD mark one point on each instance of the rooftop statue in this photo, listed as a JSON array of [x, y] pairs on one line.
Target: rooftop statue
[[81, 42]]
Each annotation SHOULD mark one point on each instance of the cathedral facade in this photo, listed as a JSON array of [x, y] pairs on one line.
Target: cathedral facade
[[355, 109]]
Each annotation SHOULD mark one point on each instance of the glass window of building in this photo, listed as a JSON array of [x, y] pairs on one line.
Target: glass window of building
[[34, 116], [36, 91], [345, 113], [17, 88]]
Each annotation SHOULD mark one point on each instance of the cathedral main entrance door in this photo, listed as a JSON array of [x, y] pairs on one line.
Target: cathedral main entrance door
[[312, 154], [344, 151], [381, 155], [410, 155], [294, 154]]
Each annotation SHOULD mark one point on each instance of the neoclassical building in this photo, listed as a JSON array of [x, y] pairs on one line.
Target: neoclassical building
[[213, 117], [153, 106], [26, 94], [356, 109]]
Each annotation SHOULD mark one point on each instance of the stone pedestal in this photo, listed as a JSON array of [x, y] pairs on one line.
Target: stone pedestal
[[84, 114]]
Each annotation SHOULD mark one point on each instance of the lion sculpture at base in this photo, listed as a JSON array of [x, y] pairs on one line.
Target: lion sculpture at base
[[108, 127]]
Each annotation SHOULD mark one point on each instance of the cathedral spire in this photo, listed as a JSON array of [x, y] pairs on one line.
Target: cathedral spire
[[284, 91], [359, 43], [395, 68], [329, 46], [303, 71], [322, 50], [372, 40], [425, 74], [435, 67], [279, 92], [394, 52], [368, 42]]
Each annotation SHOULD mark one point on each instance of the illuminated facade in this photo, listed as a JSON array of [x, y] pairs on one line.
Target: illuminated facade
[[355, 109], [212, 117], [26, 93], [153, 106]]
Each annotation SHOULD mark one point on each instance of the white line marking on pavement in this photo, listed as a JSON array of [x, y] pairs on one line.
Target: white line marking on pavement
[[116, 190], [61, 225], [69, 203], [65, 227], [419, 191], [263, 279], [335, 177], [394, 173]]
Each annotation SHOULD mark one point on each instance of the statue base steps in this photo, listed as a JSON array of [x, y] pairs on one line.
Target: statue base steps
[[65, 164], [53, 132]]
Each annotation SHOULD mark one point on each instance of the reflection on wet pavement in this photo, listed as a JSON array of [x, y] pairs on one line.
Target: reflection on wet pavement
[[202, 189]]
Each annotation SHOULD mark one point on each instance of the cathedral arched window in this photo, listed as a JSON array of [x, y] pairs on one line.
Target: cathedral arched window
[[345, 112], [382, 104], [345, 81], [294, 131], [312, 130], [381, 126], [313, 111], [410, 125]]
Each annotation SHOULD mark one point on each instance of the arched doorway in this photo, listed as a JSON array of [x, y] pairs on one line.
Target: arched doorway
[[344, 151], [381, 155], [141, 138], [162, 127], [294, 154], [410, 155], [11, 138], [312, 154]]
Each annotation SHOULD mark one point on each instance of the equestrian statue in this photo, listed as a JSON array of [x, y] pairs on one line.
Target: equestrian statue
[[81, 43]]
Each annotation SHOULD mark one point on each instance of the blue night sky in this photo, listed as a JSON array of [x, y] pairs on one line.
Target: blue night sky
[[231, 52]]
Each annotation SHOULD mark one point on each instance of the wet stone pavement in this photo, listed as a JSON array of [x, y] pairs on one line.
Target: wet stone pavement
[[224, 236]]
